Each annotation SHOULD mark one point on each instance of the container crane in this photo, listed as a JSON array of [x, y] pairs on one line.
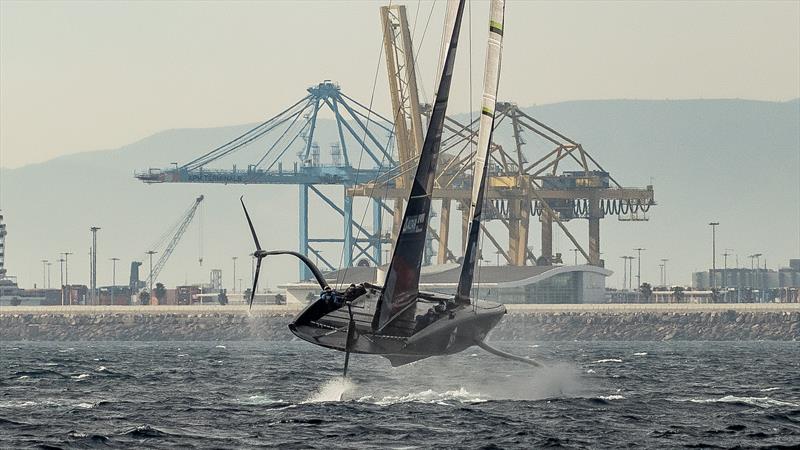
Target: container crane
[[174, 234]]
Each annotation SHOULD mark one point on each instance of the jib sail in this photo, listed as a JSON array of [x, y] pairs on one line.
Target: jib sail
[[491, 78]]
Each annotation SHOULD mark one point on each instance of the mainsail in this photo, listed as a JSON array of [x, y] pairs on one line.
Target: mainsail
[[491, 80], [402, 279]]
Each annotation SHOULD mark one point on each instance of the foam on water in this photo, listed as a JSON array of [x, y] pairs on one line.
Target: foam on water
[[459, 395], [761, 402], [640, 354], [608, 360], [331, 391], [611, 397]]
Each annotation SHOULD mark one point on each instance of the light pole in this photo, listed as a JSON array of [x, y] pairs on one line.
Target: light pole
[[113, 277], [759, 283], [234, 273], [575, 250], [630, 272], [48, 274], [61, 264], [94, 264], [664, 263], [150, 278], [713, 254], [44, 273], [624, 272], [66, 272], [639, 273], [725, 273]]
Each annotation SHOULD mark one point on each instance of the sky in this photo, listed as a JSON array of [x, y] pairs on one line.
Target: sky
[[87, 75], [77, 76]]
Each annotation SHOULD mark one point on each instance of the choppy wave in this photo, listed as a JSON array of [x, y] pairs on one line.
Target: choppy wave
[[289, 395], [640, 354]]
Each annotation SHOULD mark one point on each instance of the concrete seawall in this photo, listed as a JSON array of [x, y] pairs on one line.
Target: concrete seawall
[[523, 322]]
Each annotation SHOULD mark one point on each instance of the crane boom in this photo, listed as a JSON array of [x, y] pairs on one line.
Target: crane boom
[[183, 225]]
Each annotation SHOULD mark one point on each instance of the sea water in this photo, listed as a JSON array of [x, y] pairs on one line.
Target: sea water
[[250, 394]]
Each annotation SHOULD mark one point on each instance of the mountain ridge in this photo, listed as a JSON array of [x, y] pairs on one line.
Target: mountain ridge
[[718, 159]]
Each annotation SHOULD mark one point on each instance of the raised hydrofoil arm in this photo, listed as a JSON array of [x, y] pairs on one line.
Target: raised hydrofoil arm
[[261, 254]]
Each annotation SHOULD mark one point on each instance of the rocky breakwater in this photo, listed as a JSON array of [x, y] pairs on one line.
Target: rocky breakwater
[[132, 326], [562, 323], [730, 325]]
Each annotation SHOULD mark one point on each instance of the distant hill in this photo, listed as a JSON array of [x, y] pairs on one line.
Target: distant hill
[[733, 161]]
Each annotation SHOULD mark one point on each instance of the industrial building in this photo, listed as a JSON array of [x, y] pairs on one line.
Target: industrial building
[[753, 284], [504, 284]]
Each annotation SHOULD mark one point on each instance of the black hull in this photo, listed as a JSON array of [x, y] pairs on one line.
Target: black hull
[[455, 330]]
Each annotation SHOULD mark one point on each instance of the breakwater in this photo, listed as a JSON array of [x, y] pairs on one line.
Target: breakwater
[[523, 322]]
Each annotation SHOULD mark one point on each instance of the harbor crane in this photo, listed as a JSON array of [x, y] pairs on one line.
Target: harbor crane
[[534, 170], [168, 241]]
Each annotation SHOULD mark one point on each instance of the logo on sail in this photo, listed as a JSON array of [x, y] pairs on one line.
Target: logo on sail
[[415, 224]]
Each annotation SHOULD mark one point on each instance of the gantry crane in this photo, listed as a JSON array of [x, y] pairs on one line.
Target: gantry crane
[[517, 188], [524, 179]]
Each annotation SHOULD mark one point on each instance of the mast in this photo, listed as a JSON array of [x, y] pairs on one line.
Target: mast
[[402, 279], [491, 79]]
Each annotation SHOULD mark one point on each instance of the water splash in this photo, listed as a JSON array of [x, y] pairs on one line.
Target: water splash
[[459, 395], [331, 391]]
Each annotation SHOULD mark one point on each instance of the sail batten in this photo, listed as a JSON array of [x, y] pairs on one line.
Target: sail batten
[[401, 287], [491, 80]]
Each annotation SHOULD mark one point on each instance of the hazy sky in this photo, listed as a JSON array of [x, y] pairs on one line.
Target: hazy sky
[[77, 76]]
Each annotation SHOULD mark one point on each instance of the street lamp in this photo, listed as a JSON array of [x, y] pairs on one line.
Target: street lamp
[[713, 253], [48, 273], [66, 271], [725, 272], [639, 272], [44, 273], [624, 272], [234, 273], [61, 264], [113, 277], [93, 262], [664, 263], [759, 280], [575, 250]]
